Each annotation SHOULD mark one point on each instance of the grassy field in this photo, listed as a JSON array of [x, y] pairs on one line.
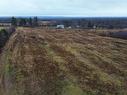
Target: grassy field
[[63, 62]]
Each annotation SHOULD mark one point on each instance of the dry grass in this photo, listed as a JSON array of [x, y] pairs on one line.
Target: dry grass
[[63, 62]]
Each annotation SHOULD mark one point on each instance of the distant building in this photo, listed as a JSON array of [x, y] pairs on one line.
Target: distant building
[[69, 27], [77, 26], [60, 26], [94, 27], [47, 23], [5, 24]]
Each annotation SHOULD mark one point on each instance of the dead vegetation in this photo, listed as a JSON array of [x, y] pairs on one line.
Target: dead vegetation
[[63, 62]]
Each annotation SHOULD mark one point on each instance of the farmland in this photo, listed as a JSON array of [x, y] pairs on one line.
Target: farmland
[[38, 61]]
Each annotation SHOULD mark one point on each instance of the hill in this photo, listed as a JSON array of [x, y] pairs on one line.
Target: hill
[[63, 62]]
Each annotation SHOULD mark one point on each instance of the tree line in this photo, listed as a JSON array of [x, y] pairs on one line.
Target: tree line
[[30, 22], [99, 23]]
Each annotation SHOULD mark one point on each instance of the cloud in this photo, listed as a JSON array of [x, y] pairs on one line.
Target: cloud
[[64, 7]]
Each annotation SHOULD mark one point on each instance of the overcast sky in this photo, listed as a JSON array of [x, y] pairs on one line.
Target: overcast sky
[[85, 8]]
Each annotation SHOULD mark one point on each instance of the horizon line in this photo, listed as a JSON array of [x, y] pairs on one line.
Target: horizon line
[[65, 16]]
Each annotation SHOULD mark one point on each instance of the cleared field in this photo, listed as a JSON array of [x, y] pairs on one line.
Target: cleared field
[[63, 62], [1, 27]]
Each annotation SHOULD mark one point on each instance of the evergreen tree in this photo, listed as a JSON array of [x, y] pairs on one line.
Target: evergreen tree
[[30, 21], [90, 25], [35, 21], [14, 21], [22, 22]]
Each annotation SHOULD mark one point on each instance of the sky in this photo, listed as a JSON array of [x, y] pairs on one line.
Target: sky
[[83, 8]]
